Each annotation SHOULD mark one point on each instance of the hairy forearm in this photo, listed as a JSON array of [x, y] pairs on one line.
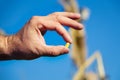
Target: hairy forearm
[[4, 51], [10, 47]]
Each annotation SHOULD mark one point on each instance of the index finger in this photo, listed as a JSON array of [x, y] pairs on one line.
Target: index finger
[[68, 14]]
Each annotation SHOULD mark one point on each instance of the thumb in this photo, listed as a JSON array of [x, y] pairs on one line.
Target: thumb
[[55, 50]]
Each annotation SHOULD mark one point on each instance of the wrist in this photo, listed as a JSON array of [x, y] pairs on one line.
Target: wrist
[[10, 44], [13, 44], [16, 49]]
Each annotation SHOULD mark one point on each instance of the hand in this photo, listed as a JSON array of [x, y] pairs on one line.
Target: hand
[[29, 42]]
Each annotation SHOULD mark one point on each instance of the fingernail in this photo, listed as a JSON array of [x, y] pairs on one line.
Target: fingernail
[[70, 39]]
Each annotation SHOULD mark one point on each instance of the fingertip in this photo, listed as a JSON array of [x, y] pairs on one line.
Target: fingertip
[[66, 50], [80, 26], [74, 16], [63, 50], [69, 39], [77, 14]]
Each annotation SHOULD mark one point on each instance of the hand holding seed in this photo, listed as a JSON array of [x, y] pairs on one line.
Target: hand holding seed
[[29, 42]]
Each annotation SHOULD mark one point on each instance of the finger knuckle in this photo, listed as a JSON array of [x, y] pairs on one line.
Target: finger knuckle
[[34, 19], [52, 53], [56, 25], [62, 34], [56, 13]]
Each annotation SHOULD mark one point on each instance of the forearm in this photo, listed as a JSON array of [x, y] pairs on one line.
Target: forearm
[[11, 48], [4, 51]]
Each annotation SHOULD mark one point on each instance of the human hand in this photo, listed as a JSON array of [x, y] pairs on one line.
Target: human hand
[[29, 42]]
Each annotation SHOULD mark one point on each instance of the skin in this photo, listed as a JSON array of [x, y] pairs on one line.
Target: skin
[[29, 42]]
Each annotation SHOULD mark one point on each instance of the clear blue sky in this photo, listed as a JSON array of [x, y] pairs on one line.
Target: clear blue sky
[[102, 33]]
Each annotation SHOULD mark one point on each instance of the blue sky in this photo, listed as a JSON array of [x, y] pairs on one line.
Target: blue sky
[[102, 33]]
